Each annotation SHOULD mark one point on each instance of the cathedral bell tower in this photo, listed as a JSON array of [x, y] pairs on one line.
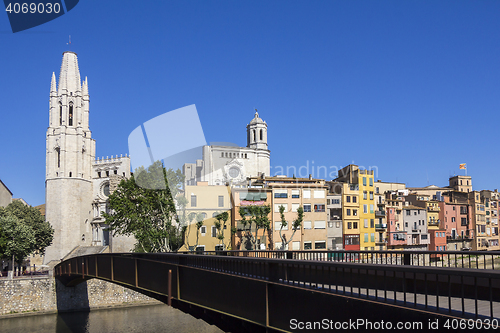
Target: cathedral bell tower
[[257, 133], [70, 151]]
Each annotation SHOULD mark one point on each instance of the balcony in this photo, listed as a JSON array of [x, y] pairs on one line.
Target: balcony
[[434, 223], [381, 241], [379, 213], [380, 226], [433, 209]]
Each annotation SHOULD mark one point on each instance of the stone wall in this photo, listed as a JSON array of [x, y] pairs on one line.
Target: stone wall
[[49, 295]]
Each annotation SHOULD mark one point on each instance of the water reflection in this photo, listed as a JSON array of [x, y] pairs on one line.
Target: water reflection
[[155, 318]]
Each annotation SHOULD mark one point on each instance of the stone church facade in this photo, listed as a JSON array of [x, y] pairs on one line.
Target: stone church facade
[[231, 165], [76, 184]]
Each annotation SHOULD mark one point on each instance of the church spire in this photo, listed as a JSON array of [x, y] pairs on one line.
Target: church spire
[[85, 87], [69, 77], [53, 88]]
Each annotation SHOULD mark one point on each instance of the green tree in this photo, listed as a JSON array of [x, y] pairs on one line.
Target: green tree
[[255, 217], [199, 223], [20, 239], [43, 231], [148, 211], [295, 225], [221, 225], [23, 231]]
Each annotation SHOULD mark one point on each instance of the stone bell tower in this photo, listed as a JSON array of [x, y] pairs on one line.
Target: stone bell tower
[[70, 151], [257, 133]]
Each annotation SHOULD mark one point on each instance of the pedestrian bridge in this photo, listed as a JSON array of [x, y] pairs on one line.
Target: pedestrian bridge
[[258, 291]]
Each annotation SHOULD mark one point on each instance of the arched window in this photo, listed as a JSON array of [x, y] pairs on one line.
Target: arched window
[[70, 119], [261, 136], [60, 114], [254, 136]]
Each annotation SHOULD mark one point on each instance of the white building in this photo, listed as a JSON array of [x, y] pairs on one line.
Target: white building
[[232, 165], [77, 185]]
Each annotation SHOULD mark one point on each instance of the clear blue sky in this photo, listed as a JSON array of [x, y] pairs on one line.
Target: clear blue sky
[[411, 87]]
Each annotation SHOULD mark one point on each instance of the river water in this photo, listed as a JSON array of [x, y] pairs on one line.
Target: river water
[[143, 319]]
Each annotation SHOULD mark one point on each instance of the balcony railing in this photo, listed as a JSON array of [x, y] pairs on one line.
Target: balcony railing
[[433, 209], [379, 213], [434, 223], [381, 226]]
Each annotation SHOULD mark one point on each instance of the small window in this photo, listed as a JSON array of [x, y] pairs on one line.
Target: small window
[[58, 152], [307, 245], [277, 207], [307, 225], [319, 224], [214, 231], [307, 208], [193, 200], [354, 199], [70, 119], [319, 245], [319, 194], [221, 201], [319, 208]]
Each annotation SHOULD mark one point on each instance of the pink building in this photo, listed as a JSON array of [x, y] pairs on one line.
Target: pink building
[[455, 217]]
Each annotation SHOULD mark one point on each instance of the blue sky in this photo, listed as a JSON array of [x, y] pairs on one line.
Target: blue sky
[[411, 87]]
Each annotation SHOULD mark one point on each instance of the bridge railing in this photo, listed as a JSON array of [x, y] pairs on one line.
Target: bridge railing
[[457, 259]]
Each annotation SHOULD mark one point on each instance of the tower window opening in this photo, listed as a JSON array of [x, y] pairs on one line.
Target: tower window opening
[[58, 152], [107, 173], [116, 172], [261, 135], [254, 136], [70, 120], [60, 114], [99, 174], [70, 173]]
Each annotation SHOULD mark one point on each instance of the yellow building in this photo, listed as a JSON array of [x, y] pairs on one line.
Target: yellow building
[[204, 202], [367, 210], [358, 207]]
